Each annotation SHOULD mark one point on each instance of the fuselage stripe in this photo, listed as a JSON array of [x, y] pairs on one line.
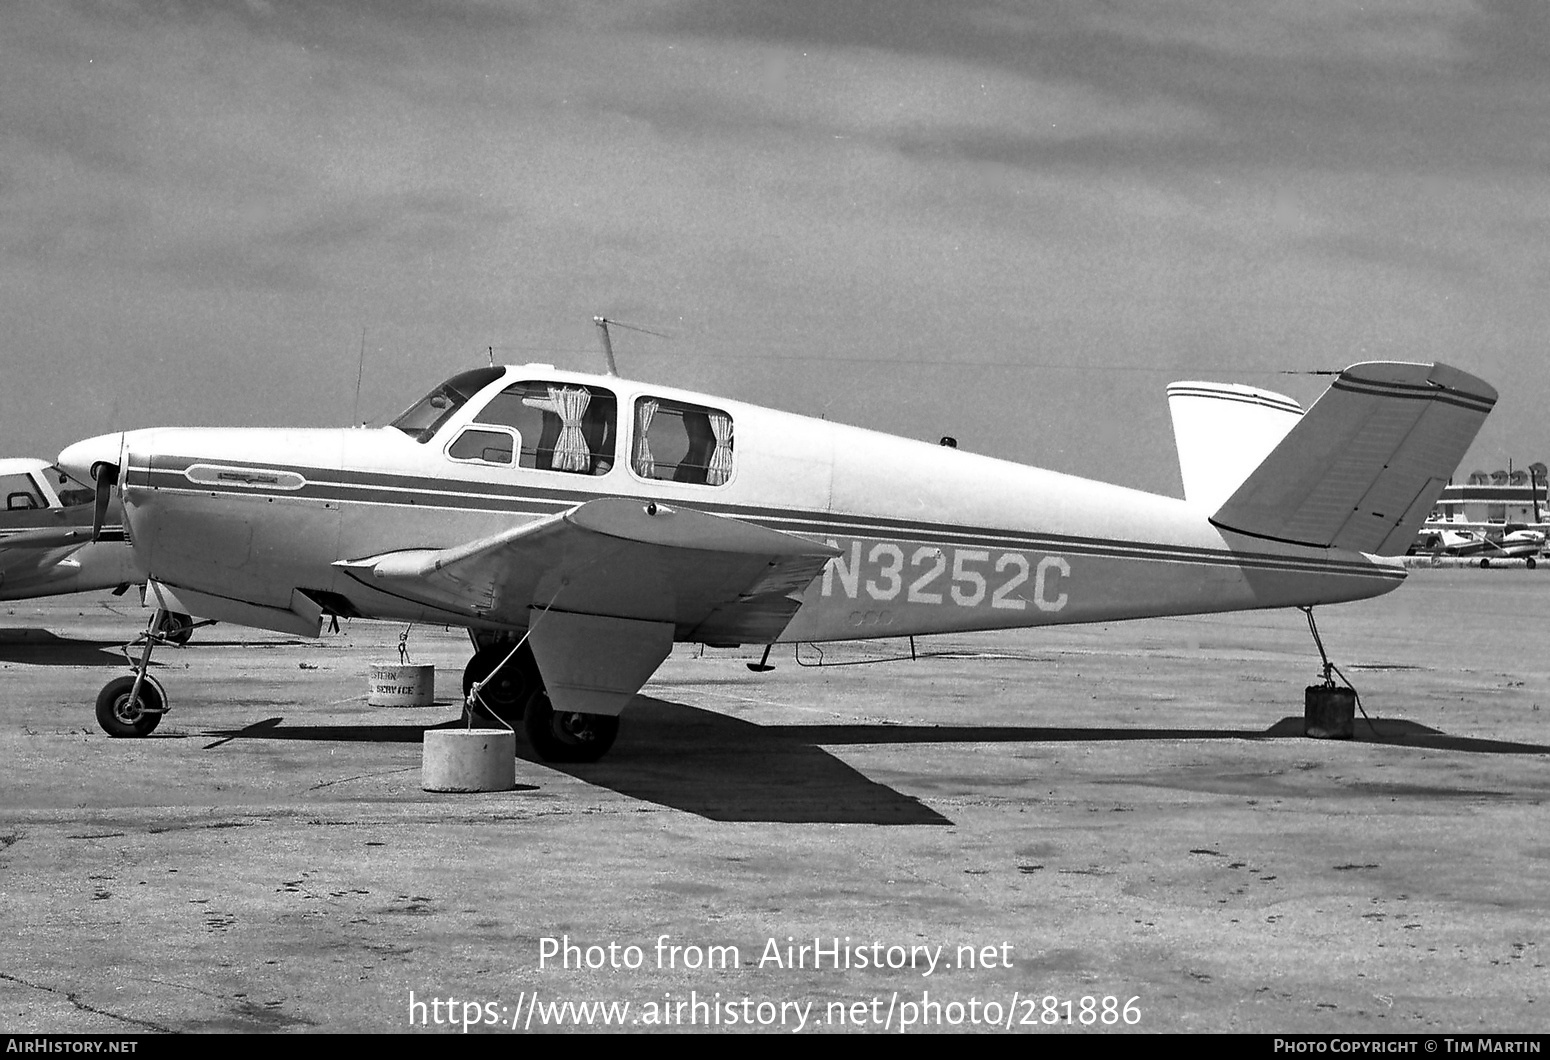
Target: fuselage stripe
[[432, 494]]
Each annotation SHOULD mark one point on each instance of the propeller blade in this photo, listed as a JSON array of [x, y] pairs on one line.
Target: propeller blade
[[105, 476]]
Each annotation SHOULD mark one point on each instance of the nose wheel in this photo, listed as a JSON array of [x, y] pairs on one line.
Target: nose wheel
[[124, 711], [133, 705]]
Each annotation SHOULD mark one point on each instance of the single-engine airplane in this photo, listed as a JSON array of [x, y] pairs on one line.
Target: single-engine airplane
[[47, 546], [578, 525]]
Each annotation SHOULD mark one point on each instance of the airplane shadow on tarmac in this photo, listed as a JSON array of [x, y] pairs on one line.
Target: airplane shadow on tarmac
[[1403, 733], [42, 648], [727, 769], [689, 759], [1387, 731]]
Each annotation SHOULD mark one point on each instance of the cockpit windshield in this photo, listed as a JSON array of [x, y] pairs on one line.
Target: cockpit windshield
[[431, 411]]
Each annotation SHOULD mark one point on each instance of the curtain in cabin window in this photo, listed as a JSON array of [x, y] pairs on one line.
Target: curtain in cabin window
[[645, 412], [720, 468], [570, 449]]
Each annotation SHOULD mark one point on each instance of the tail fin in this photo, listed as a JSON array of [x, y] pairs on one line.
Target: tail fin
[[1223, 431], [1362, 469]]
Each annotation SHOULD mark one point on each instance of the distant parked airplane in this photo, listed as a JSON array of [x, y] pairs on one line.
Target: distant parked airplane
[[47, 546], [1489, 541]]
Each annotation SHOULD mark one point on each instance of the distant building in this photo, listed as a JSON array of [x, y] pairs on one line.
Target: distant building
[[1496, 497]]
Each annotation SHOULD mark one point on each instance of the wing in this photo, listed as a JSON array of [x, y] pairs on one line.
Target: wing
[[609, 585], [1362, 469], [708, 575]]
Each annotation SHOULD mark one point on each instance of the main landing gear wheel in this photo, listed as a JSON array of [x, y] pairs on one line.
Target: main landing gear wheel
[[118, 716], [505, 695], [1529, 563], [565, 736], [175, 627]]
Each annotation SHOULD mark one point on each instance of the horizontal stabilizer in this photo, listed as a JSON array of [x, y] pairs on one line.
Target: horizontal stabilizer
[[1223, 431], [1362, 469]]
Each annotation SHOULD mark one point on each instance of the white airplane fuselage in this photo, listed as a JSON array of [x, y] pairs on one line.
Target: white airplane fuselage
[[930, 539]]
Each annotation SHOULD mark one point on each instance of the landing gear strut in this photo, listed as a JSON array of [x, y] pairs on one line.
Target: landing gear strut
[[133, 705]]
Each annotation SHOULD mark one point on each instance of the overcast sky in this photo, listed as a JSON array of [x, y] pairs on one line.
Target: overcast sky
[[1011, 222]]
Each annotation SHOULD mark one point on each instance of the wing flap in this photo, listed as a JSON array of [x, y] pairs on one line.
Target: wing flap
[[1361, 469]]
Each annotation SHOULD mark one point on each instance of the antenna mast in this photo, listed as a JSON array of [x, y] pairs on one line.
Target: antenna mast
[[360, 371], [608, 346]]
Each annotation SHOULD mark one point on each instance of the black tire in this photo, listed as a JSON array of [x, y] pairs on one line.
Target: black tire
[[176, 627], [567, 737], [1530, 563], [118, 717], [1485, 563], [508, 693]]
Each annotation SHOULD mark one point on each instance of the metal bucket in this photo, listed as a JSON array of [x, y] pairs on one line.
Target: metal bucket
[[1329, 713], [391, 685]]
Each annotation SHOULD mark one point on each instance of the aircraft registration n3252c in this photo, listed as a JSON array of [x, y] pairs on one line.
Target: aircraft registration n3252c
[[578, 525]]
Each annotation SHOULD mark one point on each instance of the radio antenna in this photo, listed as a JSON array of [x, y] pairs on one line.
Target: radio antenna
[[360, 370], [608, 346]]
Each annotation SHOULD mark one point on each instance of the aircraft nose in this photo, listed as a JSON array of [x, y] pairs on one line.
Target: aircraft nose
[[81, 457]]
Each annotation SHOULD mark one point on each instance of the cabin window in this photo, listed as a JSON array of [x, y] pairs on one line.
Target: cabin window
[[21, 493], [482, 445], [422, 419], [566, 427], [678, 442]]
